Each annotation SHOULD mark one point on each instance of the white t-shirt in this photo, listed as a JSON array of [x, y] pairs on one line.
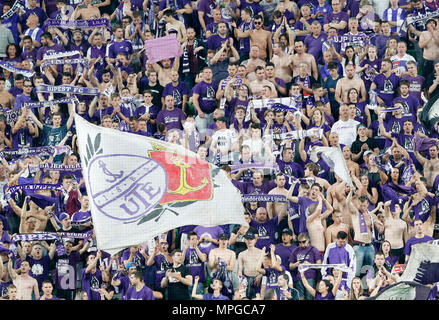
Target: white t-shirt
[[224, 139], [346, 130]]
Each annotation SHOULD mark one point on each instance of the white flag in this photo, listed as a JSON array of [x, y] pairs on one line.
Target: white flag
[[140, 187], [333, 157]]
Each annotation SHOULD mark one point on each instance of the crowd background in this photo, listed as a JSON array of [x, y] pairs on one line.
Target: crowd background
[[356, 77]]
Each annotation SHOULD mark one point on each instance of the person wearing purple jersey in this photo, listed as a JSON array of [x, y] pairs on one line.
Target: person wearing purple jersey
[[386, 83], [93, 276], [417, 82], [304, 253], [205, 9], [178, 90], [160, 258], [244, 41], [204, 100], [82, 218], [419, 237], [39, 264], [172, 117], [337, 18], [266, 226], [119, 45], [325, 290], [48, 47], [23, 131], [34, 9], [285, 248], [78, 43], [65, 280], [47, 288], [195, 259], [138, 289]]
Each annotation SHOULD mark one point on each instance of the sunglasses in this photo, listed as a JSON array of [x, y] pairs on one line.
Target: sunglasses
[[258, 23], [303, 241], [27, 86]]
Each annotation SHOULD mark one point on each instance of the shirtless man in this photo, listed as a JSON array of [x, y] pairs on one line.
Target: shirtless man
[[248, 263], [260, 37], [226, 255], [6, 99], [338, 193], [314, 223], [429, 41], [281, 61], [362, 225], [252, 63], [26, 285], [353, 167], [301, 56], [348, 82], [395, 230], [261, 81], [333, 229], [86, 11], [431, 166], [164, 71], [174, 24], [32, 220], [275, 208], [311, 171]]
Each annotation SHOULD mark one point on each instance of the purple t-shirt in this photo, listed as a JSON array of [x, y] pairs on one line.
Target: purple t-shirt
[[177, 92], [65, 267], [39, 269], [284, 252], [210, 232], [171, 118], [207, 95], [193, 261], [210, 296], [56, 48], [329, 296], [412, 241], [387, 88], [161, 265], [206, 6], [314, 46], [91, 283], [416, 85], [337, 18], [144, 294], [266, 232], [310, 254], [138, 259]]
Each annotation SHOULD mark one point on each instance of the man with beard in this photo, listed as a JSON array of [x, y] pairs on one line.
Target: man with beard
[[386, 84], [49, 47], [215, 41], [119, 45], [138, 289], [164, 71], [261, 38], [345, 84]]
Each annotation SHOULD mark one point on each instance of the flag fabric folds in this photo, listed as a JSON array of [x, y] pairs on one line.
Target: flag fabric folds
[[333, 157], [140, 187]]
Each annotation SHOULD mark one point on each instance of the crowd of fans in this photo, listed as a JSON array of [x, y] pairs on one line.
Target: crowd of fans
[[351, 75]]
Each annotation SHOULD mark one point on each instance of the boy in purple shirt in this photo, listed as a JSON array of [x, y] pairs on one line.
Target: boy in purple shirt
[[138, 289]]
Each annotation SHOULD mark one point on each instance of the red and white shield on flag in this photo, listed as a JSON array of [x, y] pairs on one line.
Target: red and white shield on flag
[[188, 178]]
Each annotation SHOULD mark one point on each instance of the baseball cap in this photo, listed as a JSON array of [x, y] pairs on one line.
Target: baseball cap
[[130, 265], [249, 235], [223, 236], [289, 231], [367, 152]]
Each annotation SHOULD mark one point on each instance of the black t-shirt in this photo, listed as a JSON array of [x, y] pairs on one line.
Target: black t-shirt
[[176, 289], [157, 92], [356, 147]]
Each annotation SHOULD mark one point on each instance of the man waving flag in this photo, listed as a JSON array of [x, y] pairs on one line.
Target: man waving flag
[[141, 187]]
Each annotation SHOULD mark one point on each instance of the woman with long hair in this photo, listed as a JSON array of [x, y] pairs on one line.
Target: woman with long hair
[[385, 248], [349, 57], [369, 66], [357, 290]]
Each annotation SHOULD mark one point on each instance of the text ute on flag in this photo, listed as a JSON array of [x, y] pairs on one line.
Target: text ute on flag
[[140, 187]]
